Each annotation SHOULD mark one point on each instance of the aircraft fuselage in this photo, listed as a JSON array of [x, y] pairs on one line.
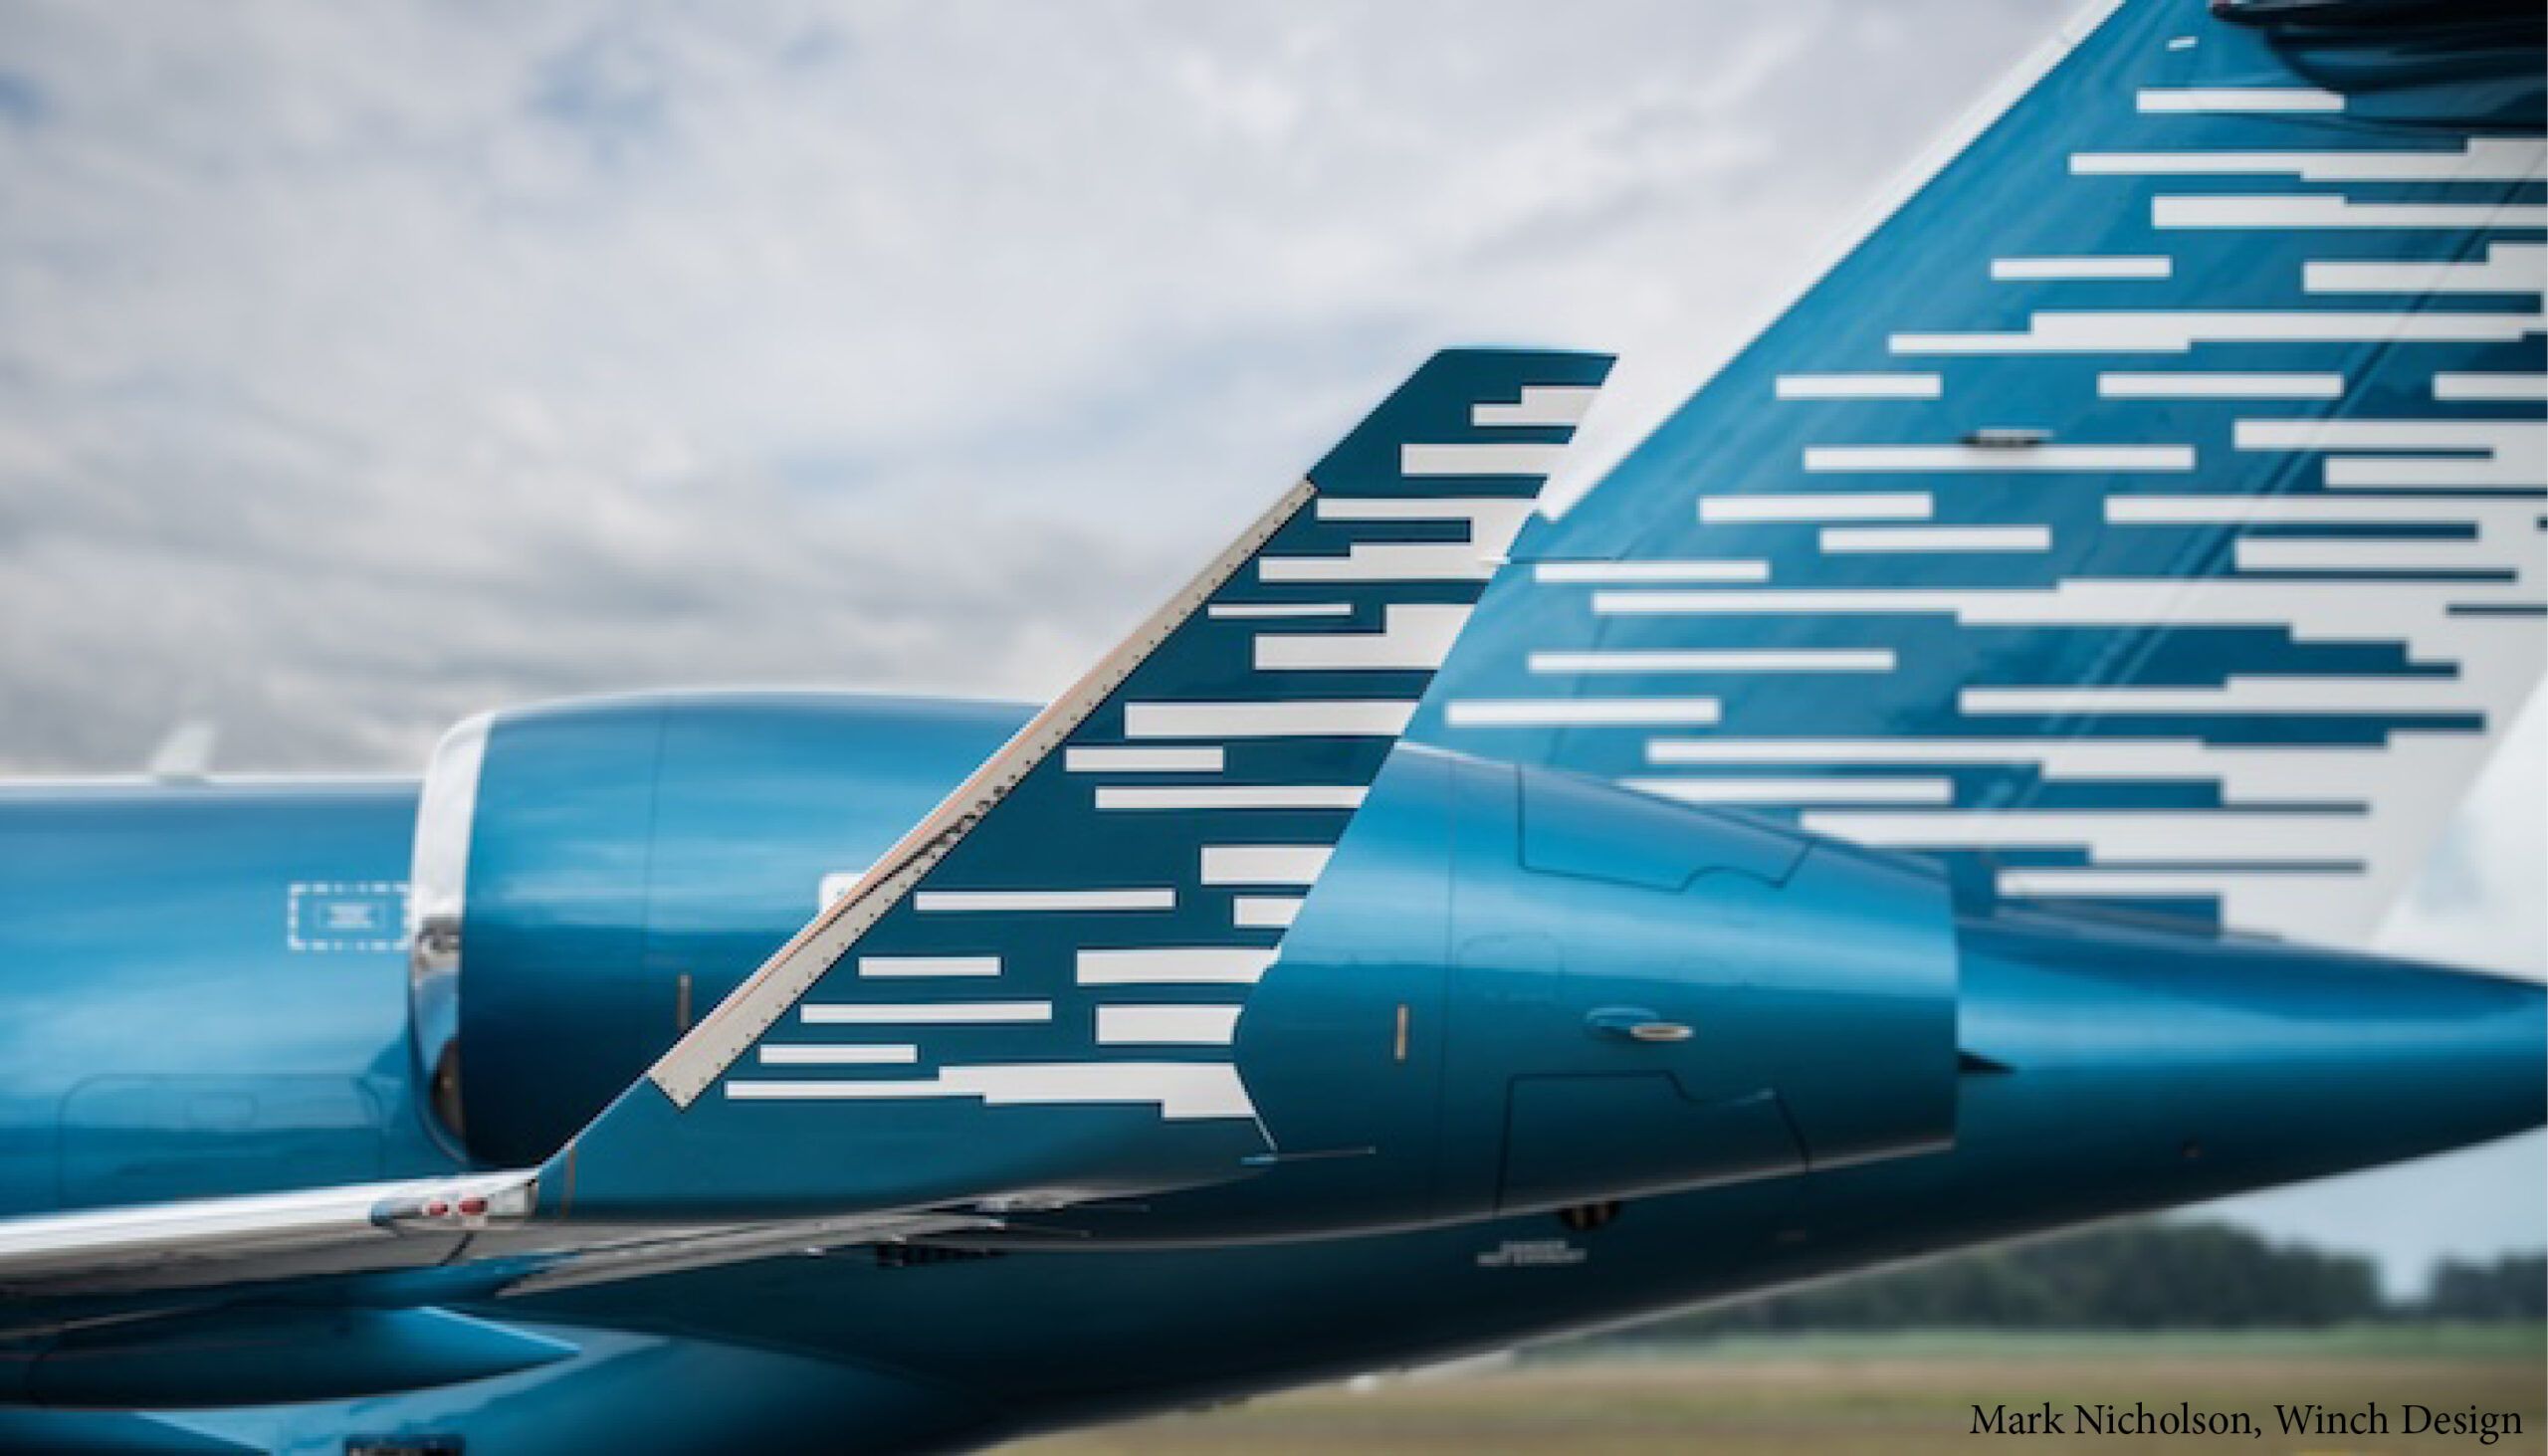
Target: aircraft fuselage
[[204, 991]]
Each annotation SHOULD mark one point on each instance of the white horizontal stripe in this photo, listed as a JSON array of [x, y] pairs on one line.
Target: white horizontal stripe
[[1347, 719], [2244, 509], [1182, 1090], [2296, 211], [2077, 269], [1238, 965], [2149, 883], [1870, 790], [1858, 386], [779, 1053], [1775, 603], [1232, 796], [1564, 572], [1264, 864], [2508, 267], [2247, 774], [1718, 659], [2237, 695], [2516, 450], [2125, 755], [889, 966], [2491, 386], [838, 1091], [2367, 610], [2116, 833], [2237, 98], [1845, 540], [1250, 611], [922, 1013], [2119, 331], [2482, 159], [1544, 711], [1541, 404], [2363, 471], [2220, 385], [1873, 506], [1191, 1026], [1142, 761], [1709, 603], [1496, 458], [1850, 458], [1387, 562], [1414, 636], [1264, 912], [959, 900], [2290, 553]]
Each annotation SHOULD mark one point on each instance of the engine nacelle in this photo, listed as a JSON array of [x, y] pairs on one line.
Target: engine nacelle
[[592, 876], [1517, 989]]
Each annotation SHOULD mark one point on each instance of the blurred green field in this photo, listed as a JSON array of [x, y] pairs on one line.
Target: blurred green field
[[1890, 1393]]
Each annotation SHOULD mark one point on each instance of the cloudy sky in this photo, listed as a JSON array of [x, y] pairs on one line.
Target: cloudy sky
[[365, 367]]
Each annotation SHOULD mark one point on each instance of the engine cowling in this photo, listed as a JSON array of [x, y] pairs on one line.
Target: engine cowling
[[591, 877], [1517, 990]]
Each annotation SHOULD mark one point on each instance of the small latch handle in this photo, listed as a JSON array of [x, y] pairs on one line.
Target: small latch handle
[[1637, 1023]]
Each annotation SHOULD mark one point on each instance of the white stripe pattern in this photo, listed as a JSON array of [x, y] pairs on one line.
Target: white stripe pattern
[[928, 966], [2077, 269], [1233, 796], [1566, 572], [1193, 1026], [1553, 711], [1718, 659], [1264, 864], [985, 902], [1168, 966], [1858, 386], [2237, 98], [922, 1013], [1541, 405], [1349, 718], [1865, 539], [801, 1054], [1142, 761]]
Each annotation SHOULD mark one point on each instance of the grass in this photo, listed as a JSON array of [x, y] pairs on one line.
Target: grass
[[1910, 1393]]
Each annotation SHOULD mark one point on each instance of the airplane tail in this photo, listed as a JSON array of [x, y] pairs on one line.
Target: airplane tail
[[1035, 993], [2148, 513]]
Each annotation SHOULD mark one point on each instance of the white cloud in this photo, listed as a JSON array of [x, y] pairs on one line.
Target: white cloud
[[357, 368]]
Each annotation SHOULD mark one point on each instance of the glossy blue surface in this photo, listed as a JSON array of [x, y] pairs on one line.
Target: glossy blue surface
[[272, 1355], [2286, 1067], [203, 988]]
